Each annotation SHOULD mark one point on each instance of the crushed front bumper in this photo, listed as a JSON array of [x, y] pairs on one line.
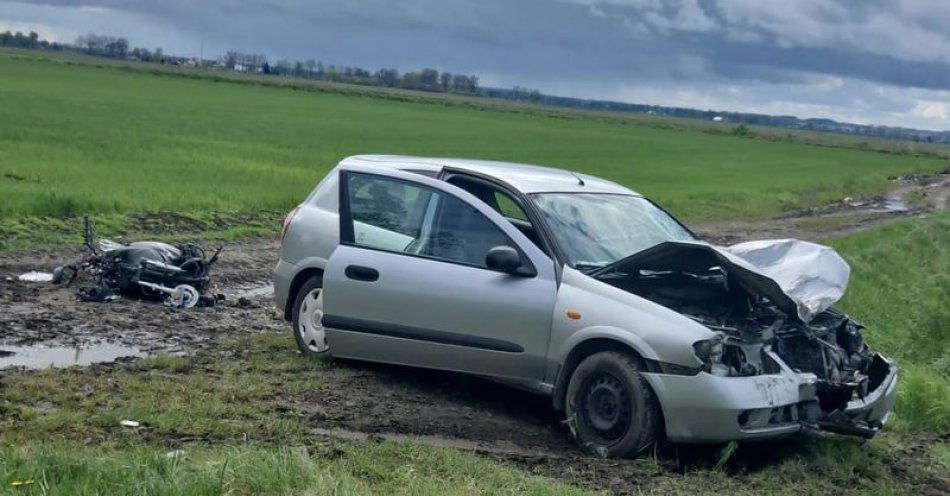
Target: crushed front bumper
[[709, 408]]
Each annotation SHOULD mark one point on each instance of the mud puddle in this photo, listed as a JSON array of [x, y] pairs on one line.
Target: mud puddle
[[261, 291], [43, 357], [889, 205]]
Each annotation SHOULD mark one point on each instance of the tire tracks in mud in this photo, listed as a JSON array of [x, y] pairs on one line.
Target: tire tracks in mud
[[912, 196]]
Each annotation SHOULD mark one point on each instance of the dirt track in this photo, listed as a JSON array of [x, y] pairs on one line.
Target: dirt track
[[451, 409], [911, 196]]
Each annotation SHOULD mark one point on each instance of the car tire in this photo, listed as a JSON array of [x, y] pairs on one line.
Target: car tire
[[307, 317], [611, 410]]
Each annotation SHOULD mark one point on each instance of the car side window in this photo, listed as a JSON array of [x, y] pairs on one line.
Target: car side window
[[394, 215], [508, 207], [502, 203]]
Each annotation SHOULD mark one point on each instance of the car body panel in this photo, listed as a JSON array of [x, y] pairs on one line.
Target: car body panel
[[437, 314], [525, 178], [803, 278], [474, 319], [706, 408], [653, 331]]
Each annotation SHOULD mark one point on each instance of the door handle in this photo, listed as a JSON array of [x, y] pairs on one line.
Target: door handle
[[361, 273]]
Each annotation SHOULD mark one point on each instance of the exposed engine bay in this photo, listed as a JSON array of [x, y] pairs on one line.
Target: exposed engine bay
[[178, 275], [718, 292]]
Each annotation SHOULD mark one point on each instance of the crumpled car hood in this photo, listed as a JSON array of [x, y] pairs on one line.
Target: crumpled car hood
[[803, 279]]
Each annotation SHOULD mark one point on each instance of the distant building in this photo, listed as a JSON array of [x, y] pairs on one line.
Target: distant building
[[718, 118]]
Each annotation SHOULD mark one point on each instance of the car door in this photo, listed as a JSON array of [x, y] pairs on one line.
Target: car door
[[408, 283]]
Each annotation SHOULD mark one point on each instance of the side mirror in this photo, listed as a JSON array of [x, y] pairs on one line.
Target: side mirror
[[504, 259]]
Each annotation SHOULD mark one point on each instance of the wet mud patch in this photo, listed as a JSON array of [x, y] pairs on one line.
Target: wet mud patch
[[911, 196], [386, 399], [41, 316]]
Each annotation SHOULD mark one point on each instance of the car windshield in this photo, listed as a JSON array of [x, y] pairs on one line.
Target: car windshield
[[595, 230]]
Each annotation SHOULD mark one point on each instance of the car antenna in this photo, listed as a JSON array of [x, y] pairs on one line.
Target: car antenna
[[579, 180]]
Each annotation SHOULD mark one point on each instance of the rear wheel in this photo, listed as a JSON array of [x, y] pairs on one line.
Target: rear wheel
[[308, 319], [610, 407]]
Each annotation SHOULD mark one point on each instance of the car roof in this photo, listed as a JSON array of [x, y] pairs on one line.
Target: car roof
[[523, 177]]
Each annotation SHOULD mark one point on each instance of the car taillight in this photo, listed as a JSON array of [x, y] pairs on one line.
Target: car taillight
[[287, 221]]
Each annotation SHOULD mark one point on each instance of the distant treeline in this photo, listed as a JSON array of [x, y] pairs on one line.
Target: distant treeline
[[739, 118], [434, 81], [424, 80], [90, 44], [119, 48], [31, 40]]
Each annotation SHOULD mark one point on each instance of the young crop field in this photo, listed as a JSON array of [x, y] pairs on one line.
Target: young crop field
[[76, 139], [181, 156]]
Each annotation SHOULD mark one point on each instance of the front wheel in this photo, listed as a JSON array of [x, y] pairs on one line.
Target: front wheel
[[308, 319], [611, 409]]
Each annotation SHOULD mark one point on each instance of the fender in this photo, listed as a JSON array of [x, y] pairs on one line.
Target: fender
[[627, 338], [288, 275]]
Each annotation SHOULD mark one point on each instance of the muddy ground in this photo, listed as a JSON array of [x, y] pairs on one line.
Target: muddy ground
[[376, 400], [911, 196]]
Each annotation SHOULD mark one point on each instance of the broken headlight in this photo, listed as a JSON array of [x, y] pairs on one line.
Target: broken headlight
[[709, 352]]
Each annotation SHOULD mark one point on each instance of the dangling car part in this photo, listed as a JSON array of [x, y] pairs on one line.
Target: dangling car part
[[180, 275], [770, 304]]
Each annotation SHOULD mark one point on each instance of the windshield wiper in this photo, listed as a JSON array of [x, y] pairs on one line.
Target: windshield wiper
[[587, 266]]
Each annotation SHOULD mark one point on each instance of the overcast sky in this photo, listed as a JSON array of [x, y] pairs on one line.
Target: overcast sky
[[870, 61]]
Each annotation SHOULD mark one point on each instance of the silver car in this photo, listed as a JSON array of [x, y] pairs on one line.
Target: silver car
[[577, 288]]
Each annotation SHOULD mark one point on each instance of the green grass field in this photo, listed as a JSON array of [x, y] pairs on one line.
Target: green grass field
[[900, 289], [127, 143], [80, 139]]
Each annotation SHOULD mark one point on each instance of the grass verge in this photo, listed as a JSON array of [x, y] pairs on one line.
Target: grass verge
[[900, 289], [22, 233], [226, 422]]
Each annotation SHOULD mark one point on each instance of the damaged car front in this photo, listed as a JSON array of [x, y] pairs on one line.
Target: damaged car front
[[777, 358]]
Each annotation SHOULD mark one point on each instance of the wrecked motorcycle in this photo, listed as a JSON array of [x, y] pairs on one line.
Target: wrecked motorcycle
[[179, 275]]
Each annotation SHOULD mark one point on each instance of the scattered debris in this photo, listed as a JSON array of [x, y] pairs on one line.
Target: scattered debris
[[129, 423], [35, 276], [726, 455], [180, 275], [175, 454], [21, 483]]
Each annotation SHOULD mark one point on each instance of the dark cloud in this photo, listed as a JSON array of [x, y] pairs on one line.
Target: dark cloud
[[835, 58]]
